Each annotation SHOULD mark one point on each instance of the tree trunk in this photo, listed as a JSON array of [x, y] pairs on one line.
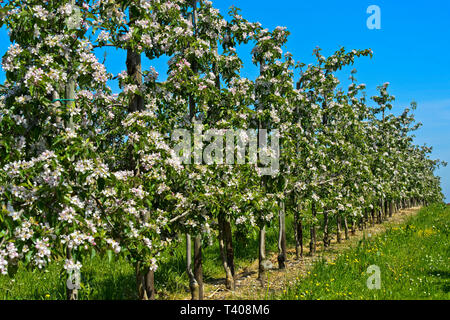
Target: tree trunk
[[282, 255], [229, 245], [140, 282], [134, 71], [262, 255], [69, 89], [150, 284], [365, 219], [298, 231], [372, 216], [353, 228], [338, 228], [262, 263], [196, 277], [71, 289], [198, 269], [326, 240], [312, 243], [360, 223], [386, 209], [380, 212], [145, 283], [229, 276], [391, 208], [193, 285], [69, 95], [346, 227]]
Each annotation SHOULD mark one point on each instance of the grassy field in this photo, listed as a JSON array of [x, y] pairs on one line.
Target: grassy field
[[413, 260], [104, 279]]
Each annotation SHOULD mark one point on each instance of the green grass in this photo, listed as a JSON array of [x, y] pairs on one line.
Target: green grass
[[104, 279], [413, 259], [100, 280]]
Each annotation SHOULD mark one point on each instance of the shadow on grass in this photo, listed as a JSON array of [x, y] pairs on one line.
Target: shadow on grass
[[441, 279]]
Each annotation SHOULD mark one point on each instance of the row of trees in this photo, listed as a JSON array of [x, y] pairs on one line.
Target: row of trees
[[83, 170]]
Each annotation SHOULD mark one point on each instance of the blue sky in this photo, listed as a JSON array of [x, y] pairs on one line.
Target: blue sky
[[411, 51]]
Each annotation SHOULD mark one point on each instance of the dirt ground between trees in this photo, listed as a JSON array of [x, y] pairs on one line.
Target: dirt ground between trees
[[249, 288]]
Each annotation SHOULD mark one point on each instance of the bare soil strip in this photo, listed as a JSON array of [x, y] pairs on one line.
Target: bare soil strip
[[249, 288]]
